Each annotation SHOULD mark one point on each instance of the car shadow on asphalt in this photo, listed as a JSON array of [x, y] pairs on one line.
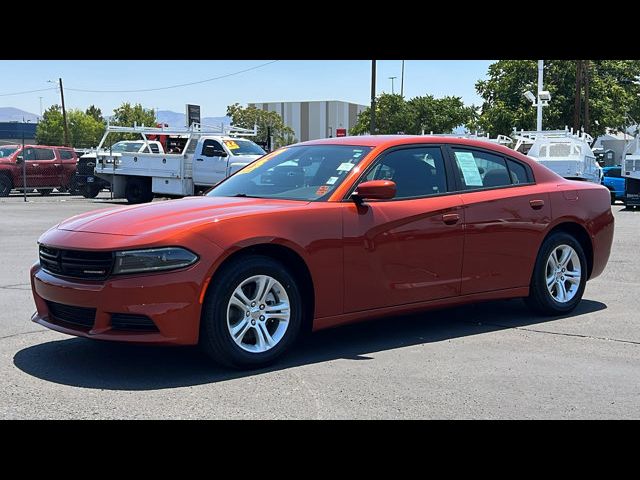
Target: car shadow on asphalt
[[111, 366]]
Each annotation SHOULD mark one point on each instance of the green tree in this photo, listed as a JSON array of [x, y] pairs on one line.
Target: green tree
[[613, 96], [438, 115], [50, 129], [250, 116], [84, 130], [96, 113], [395, 114], [126, 115]]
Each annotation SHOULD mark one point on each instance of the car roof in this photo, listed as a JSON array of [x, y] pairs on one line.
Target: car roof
[[387, 141], [38, 146]]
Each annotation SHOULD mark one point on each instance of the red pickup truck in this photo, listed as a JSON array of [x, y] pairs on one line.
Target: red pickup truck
[[46, 168]]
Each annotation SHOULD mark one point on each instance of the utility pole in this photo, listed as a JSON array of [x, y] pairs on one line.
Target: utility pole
[[402, 81], [586, 95], [392, 79], [372, 125], [40, 107], [577, 105], [24, 165], [540, 89], [64, 117]]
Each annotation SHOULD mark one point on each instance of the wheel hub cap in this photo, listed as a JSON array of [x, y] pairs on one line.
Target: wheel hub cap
[[563, 273], [258, 313]]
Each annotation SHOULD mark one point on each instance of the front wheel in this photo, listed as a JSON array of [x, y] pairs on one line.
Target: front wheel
[[44, 191], [252, 313], [90, 190], [5, 186], [559, 276], [138, 190]]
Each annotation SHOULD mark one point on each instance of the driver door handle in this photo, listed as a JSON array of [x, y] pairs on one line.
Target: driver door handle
[[199, 159], [450, 218], [536, 204]]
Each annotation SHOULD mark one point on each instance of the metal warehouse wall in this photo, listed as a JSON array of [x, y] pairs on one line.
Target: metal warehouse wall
[[11, 132], [313, 120]]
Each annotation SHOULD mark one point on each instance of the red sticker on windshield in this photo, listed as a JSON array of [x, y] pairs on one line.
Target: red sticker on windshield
[[322, 190]]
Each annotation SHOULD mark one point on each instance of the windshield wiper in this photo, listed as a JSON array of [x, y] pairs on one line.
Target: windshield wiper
[[244, 195]]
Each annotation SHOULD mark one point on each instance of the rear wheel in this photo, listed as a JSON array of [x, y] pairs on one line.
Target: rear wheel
[[138, 190], [5, 186], [90, 191], [559, 276], [252, 314], [44, 191]]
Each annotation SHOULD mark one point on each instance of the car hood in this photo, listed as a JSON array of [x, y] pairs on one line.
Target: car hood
[[169, 216], [243, 158]]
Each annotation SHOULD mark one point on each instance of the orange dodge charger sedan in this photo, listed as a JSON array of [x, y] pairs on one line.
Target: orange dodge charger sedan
[[321, 234]]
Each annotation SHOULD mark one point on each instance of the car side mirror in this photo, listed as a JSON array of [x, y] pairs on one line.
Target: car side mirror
[[375, 190], [19, 159], [211, 151]]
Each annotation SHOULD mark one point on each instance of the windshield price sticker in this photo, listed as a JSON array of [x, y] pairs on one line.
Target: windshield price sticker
[[469, 169], [231, 145], [332, 180], [345, 167], [261, 161]]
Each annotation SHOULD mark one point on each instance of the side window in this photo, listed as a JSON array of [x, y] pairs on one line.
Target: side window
[[65, 154], [45, 154], [29, 154], [518, 172], [154, 148], [416, 171], [215, 144], [480, 169], [615, 172], [192, 146]]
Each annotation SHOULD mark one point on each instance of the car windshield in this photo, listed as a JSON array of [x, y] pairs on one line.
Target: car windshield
[[7, 151], [304, 172], [243, 147], [126, 146]]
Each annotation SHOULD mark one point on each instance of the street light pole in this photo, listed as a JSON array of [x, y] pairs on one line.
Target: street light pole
[[392, 79], [372, 125], [402, 81], [540, 89], [24, 164]]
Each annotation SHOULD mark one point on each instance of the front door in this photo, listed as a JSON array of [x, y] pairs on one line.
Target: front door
[[408, 249], [209, 170]]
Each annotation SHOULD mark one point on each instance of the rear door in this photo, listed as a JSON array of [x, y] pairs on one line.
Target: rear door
[[505, 214], [68, 162], [47, 167]]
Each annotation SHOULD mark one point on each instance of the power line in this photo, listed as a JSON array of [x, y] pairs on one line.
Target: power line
[[27, 91], [173, 86]]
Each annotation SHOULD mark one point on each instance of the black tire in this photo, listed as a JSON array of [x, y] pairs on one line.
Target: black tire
[[540, 299], [5, 186], [215, 338], [44, 191], [90, 190], [613, 198], [138, 190]]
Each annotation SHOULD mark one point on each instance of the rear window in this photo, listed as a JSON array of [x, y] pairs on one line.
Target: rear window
[[44, 154], [479, 169], [66, 154]]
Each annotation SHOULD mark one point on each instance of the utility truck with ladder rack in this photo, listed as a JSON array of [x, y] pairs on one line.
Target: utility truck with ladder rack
[[200, 157]]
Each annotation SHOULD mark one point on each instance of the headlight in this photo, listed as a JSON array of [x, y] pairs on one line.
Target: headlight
[[153, 260]]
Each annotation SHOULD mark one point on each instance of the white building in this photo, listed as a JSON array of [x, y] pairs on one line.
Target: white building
[[313, 120]]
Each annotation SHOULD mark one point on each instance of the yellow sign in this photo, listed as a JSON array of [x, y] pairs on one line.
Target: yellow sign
[[261, 161], [231, 144]]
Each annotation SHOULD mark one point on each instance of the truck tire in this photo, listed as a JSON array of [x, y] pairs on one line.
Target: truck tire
[[44, 191], [5, 186], [138, 190], [90, 191]]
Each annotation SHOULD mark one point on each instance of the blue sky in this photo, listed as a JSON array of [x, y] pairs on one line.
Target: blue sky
[[285, 80]]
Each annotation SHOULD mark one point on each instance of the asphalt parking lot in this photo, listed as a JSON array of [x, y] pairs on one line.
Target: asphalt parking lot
[[492, 360]]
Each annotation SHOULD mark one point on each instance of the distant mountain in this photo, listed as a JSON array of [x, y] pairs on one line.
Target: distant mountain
[[10, 114], [175, 119]]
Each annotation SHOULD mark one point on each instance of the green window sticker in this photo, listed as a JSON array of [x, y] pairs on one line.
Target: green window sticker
[[469, 168]]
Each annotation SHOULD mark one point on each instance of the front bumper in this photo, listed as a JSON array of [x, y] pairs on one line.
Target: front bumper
[[170, 299]]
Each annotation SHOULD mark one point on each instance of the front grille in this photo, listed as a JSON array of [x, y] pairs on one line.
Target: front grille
[[126, 321], [86, 166], [84, 317], [76, 263]]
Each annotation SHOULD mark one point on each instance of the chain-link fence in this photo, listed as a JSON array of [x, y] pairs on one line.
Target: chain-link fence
[[38, 170]]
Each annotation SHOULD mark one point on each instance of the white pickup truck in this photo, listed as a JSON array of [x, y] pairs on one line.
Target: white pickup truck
[[207, 157]]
